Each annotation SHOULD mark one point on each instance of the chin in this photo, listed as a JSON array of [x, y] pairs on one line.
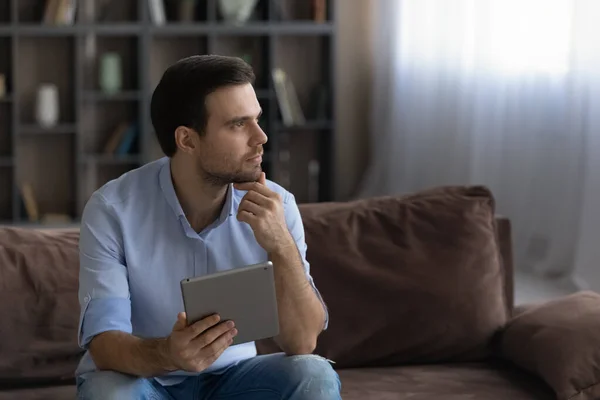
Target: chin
[[247, 177]]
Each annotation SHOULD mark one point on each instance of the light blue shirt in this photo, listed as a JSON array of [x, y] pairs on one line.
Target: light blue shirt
[[136, 245]]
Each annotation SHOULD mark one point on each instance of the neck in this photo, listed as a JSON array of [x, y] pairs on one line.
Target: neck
[[200, 200]]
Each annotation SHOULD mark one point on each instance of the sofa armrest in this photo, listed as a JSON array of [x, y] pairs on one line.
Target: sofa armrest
[[559, 341]]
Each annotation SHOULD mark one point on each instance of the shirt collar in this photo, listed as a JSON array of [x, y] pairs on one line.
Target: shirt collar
[[166, 184]]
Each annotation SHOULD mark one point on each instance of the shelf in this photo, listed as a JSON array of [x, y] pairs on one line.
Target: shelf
[[281, 28], [34, 29], [109, 29], [128, 95], [43, 30], [66, 163], [201, 28], [308, 126], [62, 129]]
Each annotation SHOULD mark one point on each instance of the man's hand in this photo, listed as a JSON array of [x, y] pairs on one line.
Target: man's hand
[[196, 347], [262, 209]]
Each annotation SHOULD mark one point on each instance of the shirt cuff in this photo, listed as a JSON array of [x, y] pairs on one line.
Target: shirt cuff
[[101, 315], [326, 322]]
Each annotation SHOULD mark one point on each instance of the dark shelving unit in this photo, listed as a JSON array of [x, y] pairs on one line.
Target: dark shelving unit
[[59, 167]]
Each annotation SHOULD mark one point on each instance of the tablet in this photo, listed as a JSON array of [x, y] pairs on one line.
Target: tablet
[[245, 295]]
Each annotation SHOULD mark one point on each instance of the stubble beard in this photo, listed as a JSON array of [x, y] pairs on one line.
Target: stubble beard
[[223, 178]]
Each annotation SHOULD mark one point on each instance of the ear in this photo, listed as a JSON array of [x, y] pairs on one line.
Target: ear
[[185, 139]]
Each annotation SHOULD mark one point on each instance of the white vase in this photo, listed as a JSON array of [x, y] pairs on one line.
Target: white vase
[[47, 105], [111, 78], [236, 11]]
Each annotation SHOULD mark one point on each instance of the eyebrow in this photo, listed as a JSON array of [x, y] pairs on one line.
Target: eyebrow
[[243, 118]]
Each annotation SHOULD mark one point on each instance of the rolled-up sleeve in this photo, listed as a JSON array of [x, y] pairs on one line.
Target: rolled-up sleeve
[[296, 228], [104, 296]]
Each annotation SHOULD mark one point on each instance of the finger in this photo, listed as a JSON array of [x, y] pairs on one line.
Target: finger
[[181, 322], [263, 179], [250, 206], [217, 347], [255, 186], [247, 217], [257, 198], [214, 333], [199, 327]]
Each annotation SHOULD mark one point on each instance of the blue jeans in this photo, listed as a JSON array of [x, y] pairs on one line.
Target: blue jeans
[[265, 377]]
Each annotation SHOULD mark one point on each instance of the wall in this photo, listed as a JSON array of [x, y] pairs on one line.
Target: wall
[[353, 77]]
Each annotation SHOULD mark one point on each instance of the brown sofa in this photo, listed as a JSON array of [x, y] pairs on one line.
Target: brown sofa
[[420, 295]]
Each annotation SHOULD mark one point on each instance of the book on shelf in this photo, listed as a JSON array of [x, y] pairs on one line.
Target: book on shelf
[[56, 219], [29, 202], [122, 140], [29, 209], [319, 10], [287, 98], [2, 86], [60, 12]]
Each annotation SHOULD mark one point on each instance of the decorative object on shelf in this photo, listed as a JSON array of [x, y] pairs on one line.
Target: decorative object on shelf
[[247, 57], [157, 12], [47, 105], [236, 11], [2, 86], [55, 219], [289, 105], [110, 73], [319, 11]]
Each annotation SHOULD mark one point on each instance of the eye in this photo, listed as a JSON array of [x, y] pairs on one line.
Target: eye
[[238, 124]]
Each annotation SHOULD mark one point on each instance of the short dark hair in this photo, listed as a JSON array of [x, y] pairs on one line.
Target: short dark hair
[[179, 98]]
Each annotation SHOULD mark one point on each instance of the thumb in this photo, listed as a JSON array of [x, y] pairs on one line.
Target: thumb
[[181, 322], [263, 179]]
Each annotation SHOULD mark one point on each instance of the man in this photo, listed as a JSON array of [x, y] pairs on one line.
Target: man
[[204, 207]]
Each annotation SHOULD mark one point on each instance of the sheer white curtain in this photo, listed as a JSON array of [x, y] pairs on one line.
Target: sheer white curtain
[[493, 92]]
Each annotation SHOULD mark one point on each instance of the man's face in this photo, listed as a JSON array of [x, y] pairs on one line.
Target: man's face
[[230, 149]]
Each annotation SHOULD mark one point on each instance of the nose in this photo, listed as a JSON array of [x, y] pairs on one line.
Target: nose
[[259, 137]]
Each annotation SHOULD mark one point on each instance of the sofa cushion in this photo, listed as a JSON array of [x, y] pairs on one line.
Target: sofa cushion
[[482, 381], [53, 392], [559, 341], [39, 312], [407, 279]]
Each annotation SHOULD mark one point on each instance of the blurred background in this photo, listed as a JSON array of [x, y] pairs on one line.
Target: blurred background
[[360, 97]]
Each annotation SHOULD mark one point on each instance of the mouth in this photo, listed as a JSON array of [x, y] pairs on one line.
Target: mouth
[[256, 158]]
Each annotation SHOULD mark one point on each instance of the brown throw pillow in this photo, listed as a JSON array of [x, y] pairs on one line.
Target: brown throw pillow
[[560, 342], [407, 279], [38, 305]]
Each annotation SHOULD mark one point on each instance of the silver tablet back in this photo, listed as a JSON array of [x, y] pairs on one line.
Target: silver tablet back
[[245, 295]]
